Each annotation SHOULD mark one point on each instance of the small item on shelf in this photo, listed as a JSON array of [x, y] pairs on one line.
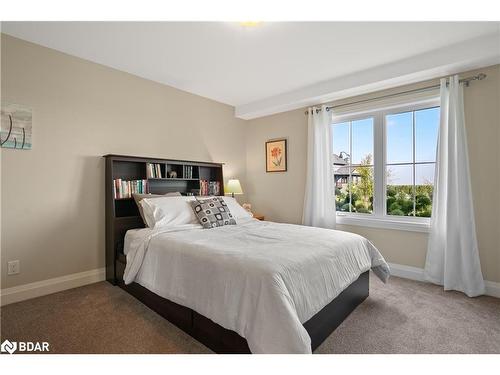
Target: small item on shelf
[[259, 217], [172, 174], [247, 206]]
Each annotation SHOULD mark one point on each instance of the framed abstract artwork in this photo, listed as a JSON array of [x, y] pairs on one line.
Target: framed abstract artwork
[[276, 158], [15, 131]]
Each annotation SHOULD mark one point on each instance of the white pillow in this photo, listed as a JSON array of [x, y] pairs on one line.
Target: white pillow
[[168, 211], [237, 211]]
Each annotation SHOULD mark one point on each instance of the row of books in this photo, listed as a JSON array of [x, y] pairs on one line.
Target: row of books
[[153, 170], [125, 189], [209, 187], [188, 171]]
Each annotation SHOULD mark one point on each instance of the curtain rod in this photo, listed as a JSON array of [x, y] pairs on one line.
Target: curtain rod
[[466, 81]]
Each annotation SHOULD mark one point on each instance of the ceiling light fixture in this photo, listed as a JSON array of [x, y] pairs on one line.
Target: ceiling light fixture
[[250, 23]]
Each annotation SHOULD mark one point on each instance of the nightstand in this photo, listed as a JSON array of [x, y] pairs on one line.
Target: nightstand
[[259, 217]]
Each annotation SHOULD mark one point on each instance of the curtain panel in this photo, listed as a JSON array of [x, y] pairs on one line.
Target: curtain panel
[[319, 200], [452, 254]]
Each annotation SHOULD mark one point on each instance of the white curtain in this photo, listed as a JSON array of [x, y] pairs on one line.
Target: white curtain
[[452, 253], [319, 201]]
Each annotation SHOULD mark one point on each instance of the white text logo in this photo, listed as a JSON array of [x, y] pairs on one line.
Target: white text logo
[[24, 346]]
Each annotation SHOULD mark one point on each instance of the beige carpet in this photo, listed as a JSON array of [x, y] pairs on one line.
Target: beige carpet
[[401, 317]]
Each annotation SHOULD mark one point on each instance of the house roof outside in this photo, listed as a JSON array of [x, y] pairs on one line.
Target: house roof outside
[[337, 160], [341, 168]]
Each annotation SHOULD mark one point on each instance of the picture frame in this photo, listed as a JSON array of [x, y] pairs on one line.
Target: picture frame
[[276, 155], [16, 126]]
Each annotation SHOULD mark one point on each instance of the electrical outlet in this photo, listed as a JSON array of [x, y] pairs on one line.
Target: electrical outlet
[[13, 267]]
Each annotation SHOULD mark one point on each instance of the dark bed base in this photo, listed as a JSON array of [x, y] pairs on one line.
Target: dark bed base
[[222, 340]]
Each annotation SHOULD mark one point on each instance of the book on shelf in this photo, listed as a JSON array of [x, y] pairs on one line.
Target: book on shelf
[[125, 188], [209, 187], [187, 171], [153, 170]]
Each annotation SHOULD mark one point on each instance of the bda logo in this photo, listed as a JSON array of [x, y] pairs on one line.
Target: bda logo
[[24, 346], [8, 347]]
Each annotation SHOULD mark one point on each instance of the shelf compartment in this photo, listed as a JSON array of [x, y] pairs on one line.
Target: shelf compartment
[[210, 174], [162, 170], [177, 168], [180, 170], [125, 207], [172, 185], [129, 170]]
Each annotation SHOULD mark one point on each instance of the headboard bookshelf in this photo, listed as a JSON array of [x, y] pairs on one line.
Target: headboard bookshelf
[[125, 174]]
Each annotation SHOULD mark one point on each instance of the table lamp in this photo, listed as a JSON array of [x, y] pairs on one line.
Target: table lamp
[[234, 187]]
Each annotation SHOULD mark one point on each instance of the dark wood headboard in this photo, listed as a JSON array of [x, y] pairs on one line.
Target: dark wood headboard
[[122, 213]]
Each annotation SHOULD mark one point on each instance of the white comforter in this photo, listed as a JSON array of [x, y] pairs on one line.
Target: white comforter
[[260, 279]]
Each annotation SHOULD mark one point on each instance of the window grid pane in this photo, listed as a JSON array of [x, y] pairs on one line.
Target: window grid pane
[[400, 190], [426, 131], [350, 161], [399, 142], [362, 141], [413, 166], [424, 185], [362, 189]]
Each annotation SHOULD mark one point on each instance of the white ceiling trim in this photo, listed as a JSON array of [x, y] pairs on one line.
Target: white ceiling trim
[[472, 54]]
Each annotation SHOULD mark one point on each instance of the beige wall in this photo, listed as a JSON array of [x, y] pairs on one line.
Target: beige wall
[[279, 196], [53, 196]]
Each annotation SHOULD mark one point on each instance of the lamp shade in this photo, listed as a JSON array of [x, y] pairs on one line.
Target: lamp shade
[[234, 187]]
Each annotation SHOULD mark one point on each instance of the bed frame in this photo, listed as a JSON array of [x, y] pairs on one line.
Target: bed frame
[[122, 215]]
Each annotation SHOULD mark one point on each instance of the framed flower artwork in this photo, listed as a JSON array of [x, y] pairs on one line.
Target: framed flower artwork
[[276, 155]]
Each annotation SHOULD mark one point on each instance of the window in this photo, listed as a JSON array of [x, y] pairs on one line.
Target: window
[[384, 162]]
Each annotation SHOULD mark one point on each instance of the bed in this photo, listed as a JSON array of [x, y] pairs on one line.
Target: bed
[[254, 287]]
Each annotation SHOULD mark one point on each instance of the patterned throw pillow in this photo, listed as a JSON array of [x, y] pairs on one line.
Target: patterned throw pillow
[[212, 212]]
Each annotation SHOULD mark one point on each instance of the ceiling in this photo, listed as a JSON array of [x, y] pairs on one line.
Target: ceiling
[[238, 65]]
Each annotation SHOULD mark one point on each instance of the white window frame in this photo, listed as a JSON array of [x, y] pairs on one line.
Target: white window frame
[[379, 218]]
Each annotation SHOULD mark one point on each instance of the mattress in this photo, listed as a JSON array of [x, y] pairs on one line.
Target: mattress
[[260, 279]]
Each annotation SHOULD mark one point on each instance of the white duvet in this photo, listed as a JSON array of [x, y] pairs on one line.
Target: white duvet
[[260, 279]]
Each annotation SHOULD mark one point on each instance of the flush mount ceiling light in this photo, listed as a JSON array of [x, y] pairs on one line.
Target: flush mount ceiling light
[[250, 23]]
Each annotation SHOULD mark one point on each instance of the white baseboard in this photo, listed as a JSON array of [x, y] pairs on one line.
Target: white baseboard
[[407, 272], [57, 284], [415, 273], [492, 288]]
